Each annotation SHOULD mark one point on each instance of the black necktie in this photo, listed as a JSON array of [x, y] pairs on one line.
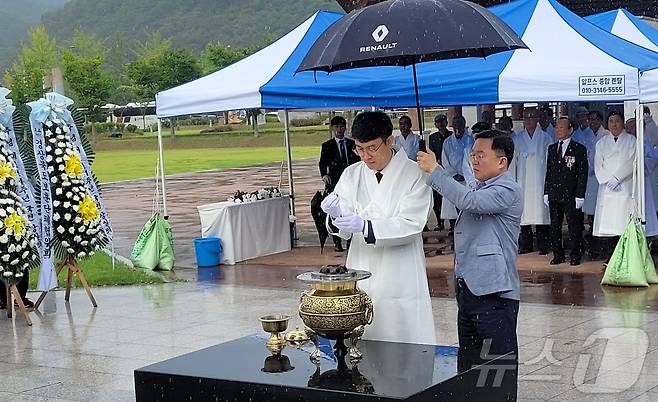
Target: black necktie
[[379, 176], [616, 138], [559, 150]]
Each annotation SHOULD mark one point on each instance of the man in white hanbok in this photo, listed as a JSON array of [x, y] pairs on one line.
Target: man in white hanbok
[[529, 169], [452, 159], [382, 204], [614, 164], [407, 139]]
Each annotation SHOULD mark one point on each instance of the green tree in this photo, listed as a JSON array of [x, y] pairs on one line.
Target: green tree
[[37, 57], [90, 86], [217, 56]]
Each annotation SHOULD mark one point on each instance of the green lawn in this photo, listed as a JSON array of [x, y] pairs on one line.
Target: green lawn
[[98, 272], [133, 164]]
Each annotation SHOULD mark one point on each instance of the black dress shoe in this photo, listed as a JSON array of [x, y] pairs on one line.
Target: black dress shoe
[[338, 248], [26, 302], [543, 252], [556, 261], [574, 262], [525, 251]]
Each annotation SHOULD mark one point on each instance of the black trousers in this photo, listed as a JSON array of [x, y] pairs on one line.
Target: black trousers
[[438, 198], [543, 238], [575, 225], [22, 286], [486, 326]]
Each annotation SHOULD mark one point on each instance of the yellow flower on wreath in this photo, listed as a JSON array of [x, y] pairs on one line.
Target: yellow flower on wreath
[[16, 223], [74, 166], [87, 209], [6, 171]]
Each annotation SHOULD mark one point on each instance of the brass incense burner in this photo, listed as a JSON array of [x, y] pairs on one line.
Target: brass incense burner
[[335, 308], [275, 324]]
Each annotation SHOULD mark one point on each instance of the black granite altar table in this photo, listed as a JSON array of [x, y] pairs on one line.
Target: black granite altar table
[[244, 370]]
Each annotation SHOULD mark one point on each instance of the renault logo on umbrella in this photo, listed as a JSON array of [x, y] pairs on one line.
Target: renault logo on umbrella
[[380, 33]]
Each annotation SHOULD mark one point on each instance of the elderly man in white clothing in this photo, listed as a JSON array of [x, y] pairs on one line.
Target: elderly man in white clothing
[[650, 165], [529, 169], [613, 164], [407, 139], [382, 204]]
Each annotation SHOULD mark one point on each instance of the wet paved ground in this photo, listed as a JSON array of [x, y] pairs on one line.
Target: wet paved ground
[[577, 340], [78, 353]]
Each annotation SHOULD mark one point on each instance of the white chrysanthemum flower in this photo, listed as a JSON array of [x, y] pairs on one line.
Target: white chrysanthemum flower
[[84, 243], [77, 219], [82, 254], [53, 179], [5, 258], [72, 230], [67, 204], [58, 191], [67, 217], [14, 262], [50, 169], [65, 243], [7, 274], [60, 229], [25, 254], [49, 158], [70, 250], [56, 203], [56, 217]]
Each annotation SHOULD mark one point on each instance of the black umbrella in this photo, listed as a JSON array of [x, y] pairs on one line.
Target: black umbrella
[[319, 217], [406, 32]]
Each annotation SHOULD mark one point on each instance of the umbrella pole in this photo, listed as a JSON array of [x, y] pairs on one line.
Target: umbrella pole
[[420, 118]]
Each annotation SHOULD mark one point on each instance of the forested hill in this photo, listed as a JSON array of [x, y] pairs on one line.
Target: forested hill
[[16, 18], [189, 23]]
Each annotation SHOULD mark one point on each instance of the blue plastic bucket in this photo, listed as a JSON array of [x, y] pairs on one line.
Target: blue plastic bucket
[[208, 251]]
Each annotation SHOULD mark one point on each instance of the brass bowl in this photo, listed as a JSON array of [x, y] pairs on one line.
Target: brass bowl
[[274, 323], [335, 317]]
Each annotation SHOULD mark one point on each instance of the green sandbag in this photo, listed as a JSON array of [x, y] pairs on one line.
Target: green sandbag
[[154, 246], [649, 265], [626, 266]]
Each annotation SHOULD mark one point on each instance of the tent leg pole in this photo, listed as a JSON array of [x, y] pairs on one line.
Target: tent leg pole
[[420, 117], [162, 170], [639, 126], [291, 186]]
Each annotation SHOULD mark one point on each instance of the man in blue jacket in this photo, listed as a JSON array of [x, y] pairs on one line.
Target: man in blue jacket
[[486, 245]]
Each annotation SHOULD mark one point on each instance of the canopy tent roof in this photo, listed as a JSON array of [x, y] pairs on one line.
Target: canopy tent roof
[[550, 71], [627, 26]]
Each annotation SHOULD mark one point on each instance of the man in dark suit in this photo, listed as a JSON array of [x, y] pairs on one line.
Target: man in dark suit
[[564, 190], [435, 144], [337, 154]]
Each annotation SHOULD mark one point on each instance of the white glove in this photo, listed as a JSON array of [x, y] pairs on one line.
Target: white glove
[[326, 179], [613, 184], [331, 205], [579, 203], [546, 199], [351, 223]]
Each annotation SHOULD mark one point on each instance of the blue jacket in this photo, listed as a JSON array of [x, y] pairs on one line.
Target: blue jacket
[[486, 233]]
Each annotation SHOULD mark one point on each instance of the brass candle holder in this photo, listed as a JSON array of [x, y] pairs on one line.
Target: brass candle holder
[[275, 324]]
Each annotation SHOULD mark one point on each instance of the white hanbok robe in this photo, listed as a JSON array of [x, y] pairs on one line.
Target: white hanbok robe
[[613, 208], [452, 160], [650, 165], [409, 144], [589, 140], [397, 207], [529, 170]]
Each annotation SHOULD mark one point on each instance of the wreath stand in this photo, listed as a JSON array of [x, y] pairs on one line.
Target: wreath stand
[[12, 294], [72, 269]]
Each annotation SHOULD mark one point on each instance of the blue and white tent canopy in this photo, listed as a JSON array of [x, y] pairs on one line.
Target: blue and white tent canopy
[[569, 59], [627, 26]]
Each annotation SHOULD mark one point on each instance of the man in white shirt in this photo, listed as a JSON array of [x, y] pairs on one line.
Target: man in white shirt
[[407, 139]]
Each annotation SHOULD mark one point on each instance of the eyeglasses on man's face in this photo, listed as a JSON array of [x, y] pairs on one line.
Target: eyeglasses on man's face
[[371, 150], [480, 156]]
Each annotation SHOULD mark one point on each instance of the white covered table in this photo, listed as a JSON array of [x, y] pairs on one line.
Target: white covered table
[[248, 230]]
